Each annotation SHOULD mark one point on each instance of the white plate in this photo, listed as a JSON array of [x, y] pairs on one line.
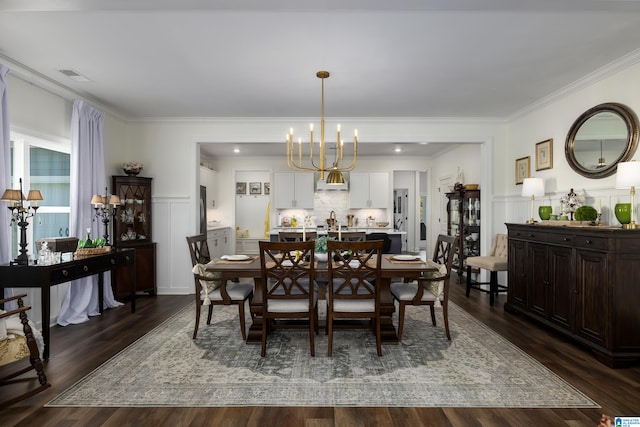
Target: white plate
[[405, 257], [236, 257]]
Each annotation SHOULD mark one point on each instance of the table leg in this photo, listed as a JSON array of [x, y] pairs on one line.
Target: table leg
[[132, 281], [46, 312], [255, 306], [387, 330], [100, 292]]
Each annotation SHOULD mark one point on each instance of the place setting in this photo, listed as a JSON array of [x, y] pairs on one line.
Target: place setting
[[405, 259]]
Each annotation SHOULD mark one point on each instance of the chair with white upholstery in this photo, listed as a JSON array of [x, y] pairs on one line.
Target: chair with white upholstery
[[494, 262], [19, 339], [354, 285], [210, 290], [288, 286], [432, 289]]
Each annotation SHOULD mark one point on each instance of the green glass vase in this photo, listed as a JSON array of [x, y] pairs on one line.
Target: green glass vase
[[623, 213], [545, 212]]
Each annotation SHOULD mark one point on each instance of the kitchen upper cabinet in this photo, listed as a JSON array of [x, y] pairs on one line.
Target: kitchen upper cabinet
[[369, 190], [208, 178], [293, 190]]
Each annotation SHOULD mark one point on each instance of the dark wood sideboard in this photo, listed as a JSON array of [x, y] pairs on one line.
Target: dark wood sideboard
[[583, 282]]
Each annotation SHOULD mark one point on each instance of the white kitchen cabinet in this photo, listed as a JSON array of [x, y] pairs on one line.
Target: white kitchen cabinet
[[219, 241], [293, 190], [208, 178], [369, 190]]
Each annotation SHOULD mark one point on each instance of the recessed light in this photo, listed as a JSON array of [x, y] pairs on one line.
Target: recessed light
[[236, 150], [397, 149]]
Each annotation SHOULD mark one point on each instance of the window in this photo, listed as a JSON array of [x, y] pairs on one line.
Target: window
[[43, 165]]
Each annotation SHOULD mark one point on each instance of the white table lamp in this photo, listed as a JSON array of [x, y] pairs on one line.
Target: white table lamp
[[628, 177], [532, 187]]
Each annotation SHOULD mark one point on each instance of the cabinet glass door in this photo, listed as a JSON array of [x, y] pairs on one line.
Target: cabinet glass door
[[471, 224]]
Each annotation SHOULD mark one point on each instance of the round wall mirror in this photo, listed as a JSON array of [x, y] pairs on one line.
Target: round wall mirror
[[600, 138]]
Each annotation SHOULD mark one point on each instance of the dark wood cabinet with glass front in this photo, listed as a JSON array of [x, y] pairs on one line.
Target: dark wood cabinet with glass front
[[463, 219], [132, 227]]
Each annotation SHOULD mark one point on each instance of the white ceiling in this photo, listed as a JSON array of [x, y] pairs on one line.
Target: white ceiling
[[257, 58]]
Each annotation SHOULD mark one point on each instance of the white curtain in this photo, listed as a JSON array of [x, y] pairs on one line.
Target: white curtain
[[87, 179], [5, 174]]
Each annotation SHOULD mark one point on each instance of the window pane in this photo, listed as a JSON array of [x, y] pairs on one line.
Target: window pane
[[50, 174]]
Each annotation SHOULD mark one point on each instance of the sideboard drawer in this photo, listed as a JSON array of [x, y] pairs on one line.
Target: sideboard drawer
[[588, 242]]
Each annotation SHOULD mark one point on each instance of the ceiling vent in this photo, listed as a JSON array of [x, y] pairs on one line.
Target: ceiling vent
[[74, 75]]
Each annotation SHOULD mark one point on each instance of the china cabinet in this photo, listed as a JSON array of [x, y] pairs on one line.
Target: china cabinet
[[580, 282], [132, 227], [293, 190], [463, 219], [369, 190]]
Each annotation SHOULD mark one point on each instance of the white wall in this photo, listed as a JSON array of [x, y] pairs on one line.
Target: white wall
[[169, 151]]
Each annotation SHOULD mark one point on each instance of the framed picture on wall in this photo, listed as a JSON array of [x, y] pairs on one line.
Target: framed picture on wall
[[255, 188], [241, 188], [267, 188], [523, 169], [544, 155]]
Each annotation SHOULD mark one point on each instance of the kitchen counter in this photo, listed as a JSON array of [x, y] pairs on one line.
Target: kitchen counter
[[322, 231]]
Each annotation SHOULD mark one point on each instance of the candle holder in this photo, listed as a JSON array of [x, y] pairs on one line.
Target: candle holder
[[105, 207], [20, 213]]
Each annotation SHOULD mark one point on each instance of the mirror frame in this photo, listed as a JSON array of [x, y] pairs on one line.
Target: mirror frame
[[628, 117]]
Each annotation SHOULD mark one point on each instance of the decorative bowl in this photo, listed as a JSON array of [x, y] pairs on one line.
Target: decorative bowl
[[382, 224], [321, 257], [132, 168], [471, 186]]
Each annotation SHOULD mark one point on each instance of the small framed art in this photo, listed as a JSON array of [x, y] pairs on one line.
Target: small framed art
[[544, 155], [523, 169], [267, 188], [241, 188], [255, 188]]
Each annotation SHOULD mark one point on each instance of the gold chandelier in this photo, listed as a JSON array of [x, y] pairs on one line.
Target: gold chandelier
[[335, 171]]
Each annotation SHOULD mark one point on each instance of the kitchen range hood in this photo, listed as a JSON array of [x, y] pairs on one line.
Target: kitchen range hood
[[323, 186]]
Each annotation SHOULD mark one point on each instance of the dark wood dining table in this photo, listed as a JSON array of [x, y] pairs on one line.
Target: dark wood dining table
[[389, 270]]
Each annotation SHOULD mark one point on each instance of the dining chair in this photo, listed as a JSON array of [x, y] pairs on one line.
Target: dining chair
[[494, 262], [386, 248], [348, 236], [431, 289], [288, 286], [210, 290], [354, 284], [296, 236], [18, 341]]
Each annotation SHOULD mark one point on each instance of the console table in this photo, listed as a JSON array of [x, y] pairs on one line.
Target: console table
[[46, 276], [583, 282]]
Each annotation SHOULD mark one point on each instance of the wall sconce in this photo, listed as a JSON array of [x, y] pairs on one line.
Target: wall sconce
[[532, 187], [105, 207], [628, 177], [20, 212]]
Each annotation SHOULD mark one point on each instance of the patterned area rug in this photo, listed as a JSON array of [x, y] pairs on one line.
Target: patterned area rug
[[478, 368]]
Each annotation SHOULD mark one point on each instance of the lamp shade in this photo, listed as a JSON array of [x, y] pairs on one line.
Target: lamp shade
[[97, 200], [532, 187], [11, 196], [628, 175], [34, 195], [114, 200]]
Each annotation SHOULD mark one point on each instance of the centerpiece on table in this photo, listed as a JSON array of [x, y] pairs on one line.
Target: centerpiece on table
[[321, 248]]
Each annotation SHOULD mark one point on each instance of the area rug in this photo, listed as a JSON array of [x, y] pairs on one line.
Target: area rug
[[477, 368]]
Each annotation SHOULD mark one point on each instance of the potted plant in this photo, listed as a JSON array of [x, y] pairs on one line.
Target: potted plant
[[321, 248]]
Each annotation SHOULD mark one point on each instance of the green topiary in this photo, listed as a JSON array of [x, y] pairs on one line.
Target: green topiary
[[586, 213]]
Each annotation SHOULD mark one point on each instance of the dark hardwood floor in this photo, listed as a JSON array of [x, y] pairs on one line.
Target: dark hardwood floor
[[76, 350]]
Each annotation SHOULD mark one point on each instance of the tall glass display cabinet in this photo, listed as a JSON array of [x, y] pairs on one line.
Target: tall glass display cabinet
[[132, 229], [463, 219]]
